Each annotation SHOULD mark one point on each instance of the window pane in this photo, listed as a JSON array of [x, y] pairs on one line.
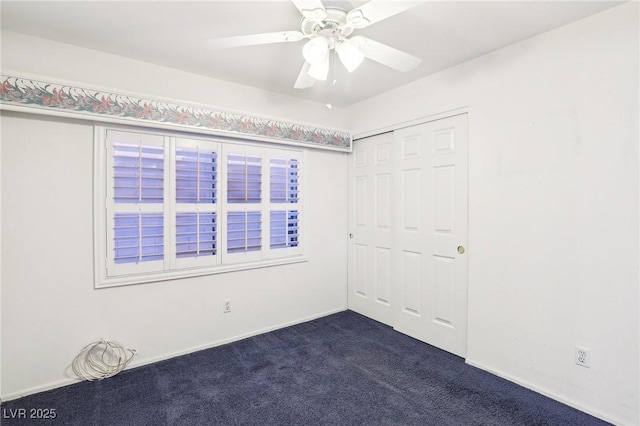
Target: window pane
[[138, 237], [196, 234], [244, 231], [284, 229], [138, 173], [196, 175], [244, 179], [284, 180]]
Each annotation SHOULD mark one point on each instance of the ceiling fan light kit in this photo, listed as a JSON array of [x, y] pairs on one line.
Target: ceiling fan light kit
[[350, 55], [329, 29], [326, 34], [316, 50], [320, 69]]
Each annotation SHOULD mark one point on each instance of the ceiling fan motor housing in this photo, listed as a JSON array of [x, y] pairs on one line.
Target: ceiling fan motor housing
[[334, 26]]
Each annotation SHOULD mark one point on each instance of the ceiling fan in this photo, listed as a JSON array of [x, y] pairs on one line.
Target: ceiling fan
[[330, 29]]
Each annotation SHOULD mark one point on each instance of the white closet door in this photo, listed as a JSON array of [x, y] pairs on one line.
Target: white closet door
[[408, 223], [370, 207], [430, 233]]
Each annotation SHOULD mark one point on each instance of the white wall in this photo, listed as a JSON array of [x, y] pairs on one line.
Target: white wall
[[50, 309], [553, 206]]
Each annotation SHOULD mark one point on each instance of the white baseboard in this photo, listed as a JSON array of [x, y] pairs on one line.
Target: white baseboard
[[547, 393], [140, 363]]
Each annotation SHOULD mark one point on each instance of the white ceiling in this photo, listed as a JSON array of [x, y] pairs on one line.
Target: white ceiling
[[172, 34]]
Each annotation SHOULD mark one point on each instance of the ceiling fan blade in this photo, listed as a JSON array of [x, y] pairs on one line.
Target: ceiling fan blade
[[254, 39], [377, 10], [304, 80], [386, 55], [311, 9]]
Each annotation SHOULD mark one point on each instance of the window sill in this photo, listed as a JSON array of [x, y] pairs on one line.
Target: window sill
[[108, 282]]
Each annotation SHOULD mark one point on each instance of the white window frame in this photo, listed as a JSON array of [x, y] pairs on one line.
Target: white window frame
[[107, 274]]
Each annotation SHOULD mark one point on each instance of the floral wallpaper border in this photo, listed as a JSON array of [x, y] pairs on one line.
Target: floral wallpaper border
[[46, 96]]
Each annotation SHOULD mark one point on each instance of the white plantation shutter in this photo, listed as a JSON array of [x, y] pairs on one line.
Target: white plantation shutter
[[284, 229], [284, 180], [196, 174], [138, 237], [135, 206], [196, 234], [285, 208], [196, 207], [244, 231], [244, 196], [138, 172], [170, 207], [244, 178]]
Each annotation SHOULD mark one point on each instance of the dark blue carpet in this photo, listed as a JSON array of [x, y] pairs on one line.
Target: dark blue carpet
[[343, 369]]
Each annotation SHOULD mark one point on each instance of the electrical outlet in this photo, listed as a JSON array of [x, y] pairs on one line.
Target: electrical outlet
[[583, 357], [227, 306]]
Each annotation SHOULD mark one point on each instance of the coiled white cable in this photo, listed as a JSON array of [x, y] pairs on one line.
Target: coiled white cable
[[102, 359]]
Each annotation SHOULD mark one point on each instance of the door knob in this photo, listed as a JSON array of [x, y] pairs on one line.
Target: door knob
[[460, 249], [351, 236]]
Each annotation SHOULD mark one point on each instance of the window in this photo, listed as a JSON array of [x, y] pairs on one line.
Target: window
[[169, 207]]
